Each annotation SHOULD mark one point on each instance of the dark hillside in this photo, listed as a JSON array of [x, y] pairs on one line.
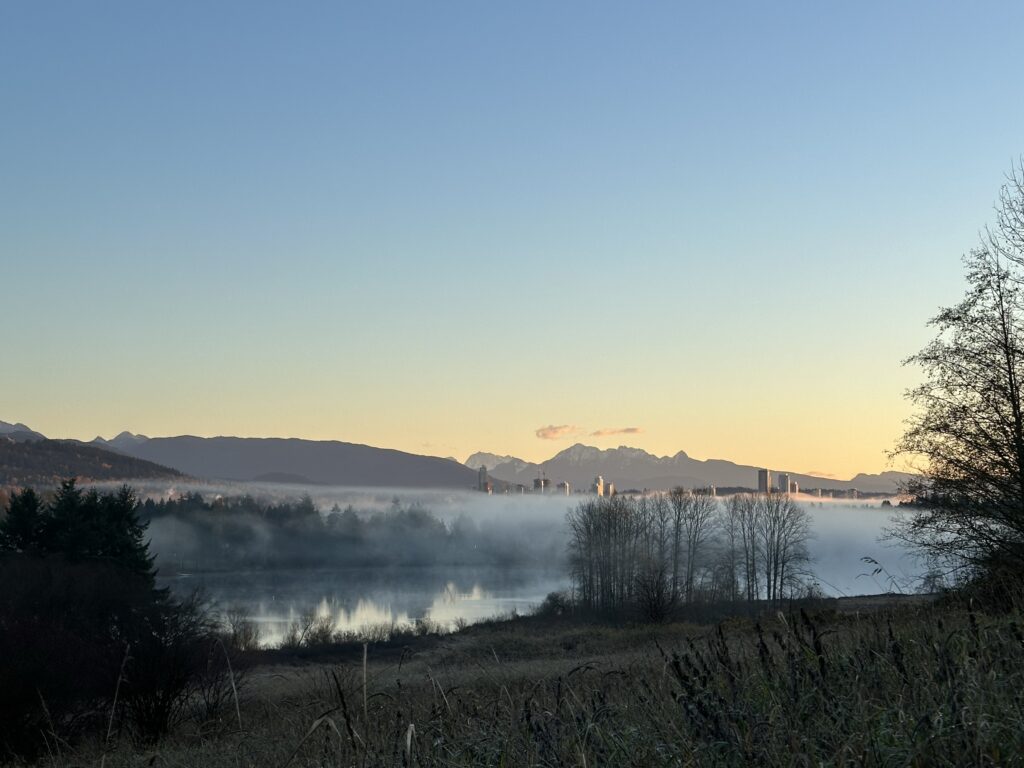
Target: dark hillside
[[47, 462], [326, 462]]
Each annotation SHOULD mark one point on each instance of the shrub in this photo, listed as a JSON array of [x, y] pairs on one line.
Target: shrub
[[555, 604], [243, 633], [64, 631]]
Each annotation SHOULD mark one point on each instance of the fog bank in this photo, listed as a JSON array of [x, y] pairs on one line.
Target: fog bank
[[529, 529]]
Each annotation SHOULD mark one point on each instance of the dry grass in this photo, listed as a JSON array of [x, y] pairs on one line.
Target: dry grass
[[923, 685]]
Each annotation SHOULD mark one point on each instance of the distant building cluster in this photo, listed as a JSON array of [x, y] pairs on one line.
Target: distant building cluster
[[541, 485], [602, 488], [783, 483], [483, 483], [767, 482]]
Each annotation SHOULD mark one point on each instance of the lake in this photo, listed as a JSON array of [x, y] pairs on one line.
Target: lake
[[843, 533], [355, 599]]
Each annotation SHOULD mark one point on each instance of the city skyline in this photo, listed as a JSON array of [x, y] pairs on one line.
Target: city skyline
[[716, 230]]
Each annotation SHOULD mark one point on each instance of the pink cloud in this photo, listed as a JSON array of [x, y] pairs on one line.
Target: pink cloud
[[556, 432], [607, 431]]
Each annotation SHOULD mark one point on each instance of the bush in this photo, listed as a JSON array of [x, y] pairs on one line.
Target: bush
[[64, 631], [556, 604], [166, 667], [243, 633], [428, 626], [654, 597]]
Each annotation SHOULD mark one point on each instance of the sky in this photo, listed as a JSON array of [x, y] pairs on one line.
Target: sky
[[506, 227]]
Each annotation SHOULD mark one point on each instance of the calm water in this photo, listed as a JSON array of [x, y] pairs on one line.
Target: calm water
[[354, 599], [842, 534]]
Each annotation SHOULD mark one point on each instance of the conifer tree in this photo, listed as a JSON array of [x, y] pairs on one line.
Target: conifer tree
[[21, 530]]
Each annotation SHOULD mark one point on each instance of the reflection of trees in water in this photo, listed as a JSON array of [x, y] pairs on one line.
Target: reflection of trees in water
[[451, 594], [355, 598], [281, 584]]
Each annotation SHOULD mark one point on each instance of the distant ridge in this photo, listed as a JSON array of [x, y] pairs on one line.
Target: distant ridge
[[44, 463], [481, 459], [635, 468], [253, 459], [331, 462], [511, 466], [123, 443], [19, 432], [291, 460]]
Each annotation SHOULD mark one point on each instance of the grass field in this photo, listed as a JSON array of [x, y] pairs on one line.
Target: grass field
[[915, 684]]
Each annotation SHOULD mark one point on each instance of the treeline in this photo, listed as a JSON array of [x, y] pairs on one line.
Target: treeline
[[191, 532], [88, 643], [651, 554]]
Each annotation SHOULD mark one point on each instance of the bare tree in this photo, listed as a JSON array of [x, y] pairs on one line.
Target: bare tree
[[783, 528], [607, 538], [678, 500], [728, 561], [765, 545], [969, 423], [1008, 236], [692, 517], [654, 596], [742, 512], [662, 533], [652, 553]]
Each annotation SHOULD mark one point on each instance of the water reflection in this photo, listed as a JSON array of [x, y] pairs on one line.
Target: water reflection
[[356, 601]]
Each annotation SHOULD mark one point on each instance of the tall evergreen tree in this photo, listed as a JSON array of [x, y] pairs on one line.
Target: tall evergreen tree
[[65, 526], [122, 534], [21, 530], [80, 526]]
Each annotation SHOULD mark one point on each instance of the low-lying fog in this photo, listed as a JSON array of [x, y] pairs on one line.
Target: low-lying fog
[[515, 554]]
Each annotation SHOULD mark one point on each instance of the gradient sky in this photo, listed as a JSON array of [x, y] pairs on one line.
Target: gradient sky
[[442, 226]]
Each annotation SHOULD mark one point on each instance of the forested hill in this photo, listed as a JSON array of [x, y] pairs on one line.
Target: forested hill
[[322, 462], [47, 462]]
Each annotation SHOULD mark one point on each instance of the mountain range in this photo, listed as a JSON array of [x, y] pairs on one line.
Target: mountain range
[[633, 468], [273, 459], [19, 433], [330, 462], [39, 462]]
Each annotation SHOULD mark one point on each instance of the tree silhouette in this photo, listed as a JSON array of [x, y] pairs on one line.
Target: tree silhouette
[[80, 526], [22, 529], [79, 609], [969, 424]]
